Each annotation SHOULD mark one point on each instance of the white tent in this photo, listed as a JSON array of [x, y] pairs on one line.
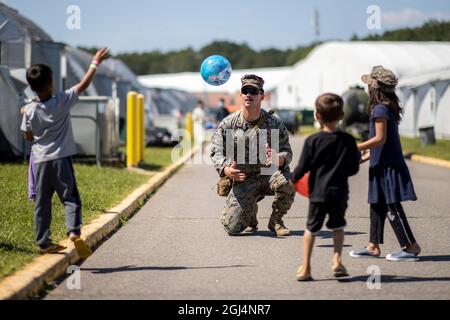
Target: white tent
[[335, 66], [24, 43], [193, 82], [426, 102]]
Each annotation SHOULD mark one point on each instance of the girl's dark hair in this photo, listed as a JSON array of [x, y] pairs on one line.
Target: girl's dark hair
[[39, 77], [389, 99]]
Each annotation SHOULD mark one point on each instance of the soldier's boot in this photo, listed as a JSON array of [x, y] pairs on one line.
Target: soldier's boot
[[251, 229], [253, 223], [278, 227]]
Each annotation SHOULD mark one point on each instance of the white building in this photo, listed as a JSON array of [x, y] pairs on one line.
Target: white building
[[335, 66], [426, 102], [192, 82], [423, 69]]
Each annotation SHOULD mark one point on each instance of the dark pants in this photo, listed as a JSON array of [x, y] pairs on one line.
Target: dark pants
[[318, 212], [398, 220], [56, 175]]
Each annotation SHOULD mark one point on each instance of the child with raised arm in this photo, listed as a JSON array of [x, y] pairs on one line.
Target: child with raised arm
[[47, 122], [331, 156], [389, 179]]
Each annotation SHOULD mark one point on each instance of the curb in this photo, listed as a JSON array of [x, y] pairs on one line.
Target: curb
[[431, 161], [28, 281]]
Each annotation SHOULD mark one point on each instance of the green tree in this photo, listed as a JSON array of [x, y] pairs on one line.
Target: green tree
[[243, 56], [432, 30]]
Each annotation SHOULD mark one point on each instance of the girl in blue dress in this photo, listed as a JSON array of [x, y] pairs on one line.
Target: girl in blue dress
[[389, 179]]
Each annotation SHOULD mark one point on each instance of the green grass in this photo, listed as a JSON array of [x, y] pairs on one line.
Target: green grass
[[440, 150], [307, 130], [100, 189], [156, 158]]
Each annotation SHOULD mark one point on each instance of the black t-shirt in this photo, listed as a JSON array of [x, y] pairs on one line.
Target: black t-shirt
[[330, 157]]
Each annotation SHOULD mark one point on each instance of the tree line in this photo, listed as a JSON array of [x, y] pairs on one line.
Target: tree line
[[432, 30], [243, 56]]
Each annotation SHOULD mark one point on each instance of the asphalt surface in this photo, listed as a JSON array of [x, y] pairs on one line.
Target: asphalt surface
[[175, 248]]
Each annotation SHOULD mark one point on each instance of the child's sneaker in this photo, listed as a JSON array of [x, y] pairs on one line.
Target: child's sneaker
[[251, 229], [364, 253], [402, 255], [82, 248], [52, 248]]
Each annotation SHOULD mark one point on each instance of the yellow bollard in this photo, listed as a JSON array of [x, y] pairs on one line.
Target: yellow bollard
[[189, 127], [132, 108], [141, 131]]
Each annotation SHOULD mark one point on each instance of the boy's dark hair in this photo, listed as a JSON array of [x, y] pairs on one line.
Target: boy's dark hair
[[39, 77], [389, 99], [330, 106]]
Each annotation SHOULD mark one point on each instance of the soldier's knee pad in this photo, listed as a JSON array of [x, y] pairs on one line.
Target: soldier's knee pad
[[233, 231], [236, 225]]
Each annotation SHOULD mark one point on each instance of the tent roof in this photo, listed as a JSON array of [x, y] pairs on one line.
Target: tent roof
[[111, 67], [417, 80], [193, 82], [402, 57], [15, 27], [84, 59], [123, 72], [335, 66]]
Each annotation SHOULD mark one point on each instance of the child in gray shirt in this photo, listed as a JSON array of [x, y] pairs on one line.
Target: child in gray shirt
[[46, 122]]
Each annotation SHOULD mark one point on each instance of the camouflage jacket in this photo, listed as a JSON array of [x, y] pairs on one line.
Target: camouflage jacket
[[236, 140]]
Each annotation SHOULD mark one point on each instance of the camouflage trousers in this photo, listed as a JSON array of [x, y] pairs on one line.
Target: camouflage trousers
[[242, 203]]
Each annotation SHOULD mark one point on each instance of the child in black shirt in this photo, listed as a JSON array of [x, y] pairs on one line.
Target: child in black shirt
[[331, 156]]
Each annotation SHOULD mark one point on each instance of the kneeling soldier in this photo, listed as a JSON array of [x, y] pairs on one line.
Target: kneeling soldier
[[251, 152]]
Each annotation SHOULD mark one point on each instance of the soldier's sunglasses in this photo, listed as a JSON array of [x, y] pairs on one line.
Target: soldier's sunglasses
[[252, 91]]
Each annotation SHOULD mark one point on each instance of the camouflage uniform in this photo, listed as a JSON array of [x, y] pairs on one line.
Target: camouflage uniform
[[241, 205]]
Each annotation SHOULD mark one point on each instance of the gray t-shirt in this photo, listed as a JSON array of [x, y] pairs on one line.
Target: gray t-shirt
[[50, 124]]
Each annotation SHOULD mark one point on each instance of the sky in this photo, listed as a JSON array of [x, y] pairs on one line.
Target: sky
[[146, 25]]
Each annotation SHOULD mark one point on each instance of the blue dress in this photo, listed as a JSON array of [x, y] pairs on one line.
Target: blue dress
[[389, 178]]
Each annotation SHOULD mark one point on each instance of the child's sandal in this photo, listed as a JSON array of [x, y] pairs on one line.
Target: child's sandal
[[52, 248], [303, 277], [339, 271]]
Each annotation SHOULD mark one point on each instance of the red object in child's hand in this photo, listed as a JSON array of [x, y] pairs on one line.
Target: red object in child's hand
[[302, 185]]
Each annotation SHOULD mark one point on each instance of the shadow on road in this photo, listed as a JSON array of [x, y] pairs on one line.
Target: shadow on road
[[395, 279], [329, 234], [435, 258], [300, 233], [156, 268], [331, 246], [268, 234]]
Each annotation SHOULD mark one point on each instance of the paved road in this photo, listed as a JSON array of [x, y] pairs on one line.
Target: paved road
[[175, 248]]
